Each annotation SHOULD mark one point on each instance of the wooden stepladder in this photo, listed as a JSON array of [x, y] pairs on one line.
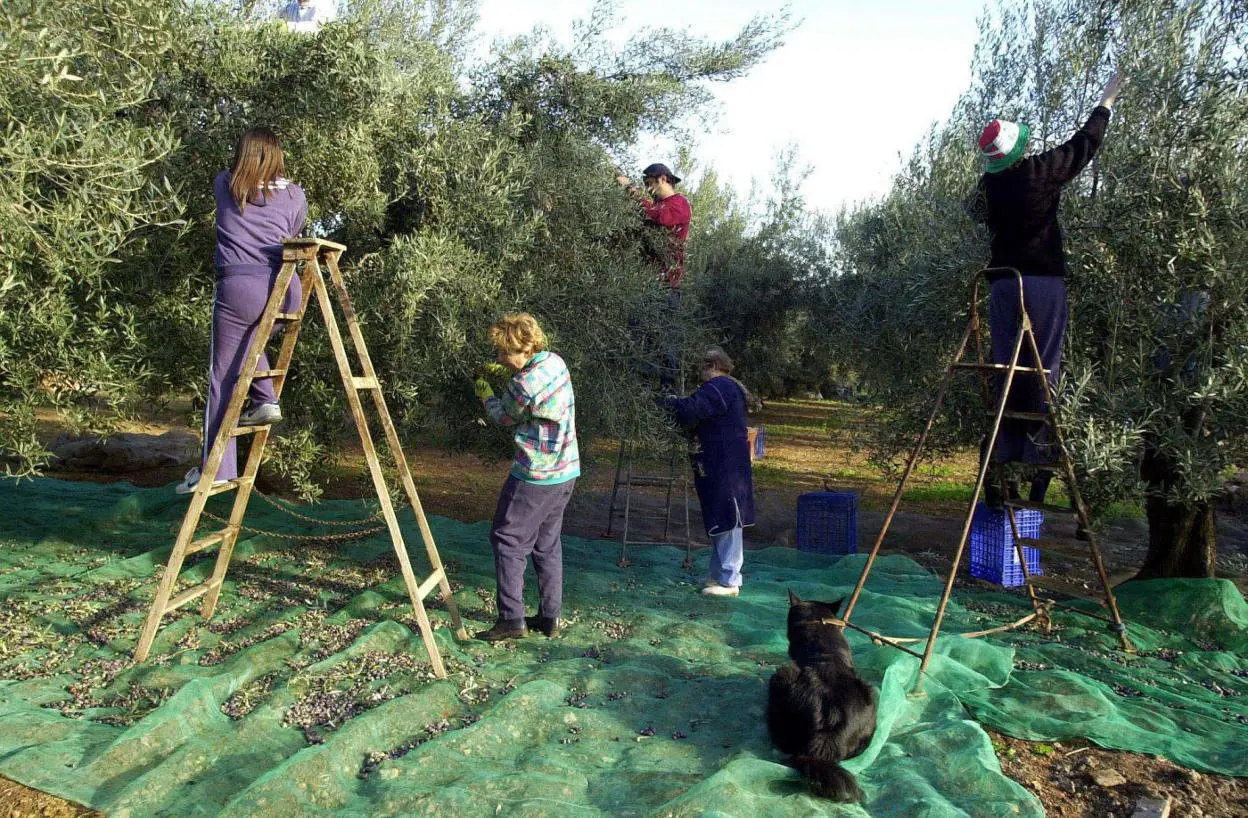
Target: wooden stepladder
[[315, 255], [1062, 467]]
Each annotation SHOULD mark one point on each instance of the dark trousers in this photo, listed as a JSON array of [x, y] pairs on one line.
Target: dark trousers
[[1045, 298], [236, 310], [528, 521]]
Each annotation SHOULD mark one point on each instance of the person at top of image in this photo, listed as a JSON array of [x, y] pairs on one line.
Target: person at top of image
[[663, 207], [538, 402], [256, 208], [1017, 199], [307, 16]]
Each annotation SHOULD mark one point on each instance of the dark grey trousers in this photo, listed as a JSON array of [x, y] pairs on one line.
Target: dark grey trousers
[[1046, 305], [528, 521]]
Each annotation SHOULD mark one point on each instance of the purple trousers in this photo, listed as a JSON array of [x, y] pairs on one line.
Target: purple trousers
[[529, 521], [1045, 298], [236, 310]]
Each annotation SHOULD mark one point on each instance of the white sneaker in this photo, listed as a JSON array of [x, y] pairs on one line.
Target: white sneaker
[[261, 415], [716, 589], [707, 582], [191, 481]]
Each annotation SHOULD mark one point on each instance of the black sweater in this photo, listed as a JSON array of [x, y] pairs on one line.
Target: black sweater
[[1019, 204]]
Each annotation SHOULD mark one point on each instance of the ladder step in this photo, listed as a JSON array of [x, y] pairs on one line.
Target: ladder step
[[268, 373], [204, 543], [649, 482], [1067, 587], [1041, 507], [365, 383], [998, 367], [1065, 548], [239, 431], [190, 594], [429, 584], [288, 316], [1038, 417], [228, 485]]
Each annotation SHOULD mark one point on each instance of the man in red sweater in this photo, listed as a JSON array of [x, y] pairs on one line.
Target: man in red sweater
[[665, 209]]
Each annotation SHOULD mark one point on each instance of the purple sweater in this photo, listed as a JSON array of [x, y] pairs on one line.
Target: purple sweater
[[250, 242]]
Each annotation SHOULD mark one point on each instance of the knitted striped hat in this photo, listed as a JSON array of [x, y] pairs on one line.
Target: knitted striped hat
[[1002, 144]]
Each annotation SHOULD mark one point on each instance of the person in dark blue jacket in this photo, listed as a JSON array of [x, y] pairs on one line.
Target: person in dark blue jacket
[[721, 466]]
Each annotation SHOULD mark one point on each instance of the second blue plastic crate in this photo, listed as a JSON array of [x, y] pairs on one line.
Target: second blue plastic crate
[[827, 522], [993, 556]]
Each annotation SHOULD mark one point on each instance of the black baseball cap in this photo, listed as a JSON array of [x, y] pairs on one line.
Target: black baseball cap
[[659, 169]]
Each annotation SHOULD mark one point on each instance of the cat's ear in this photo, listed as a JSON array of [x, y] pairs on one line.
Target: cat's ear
[[794, 599], [836, 606]]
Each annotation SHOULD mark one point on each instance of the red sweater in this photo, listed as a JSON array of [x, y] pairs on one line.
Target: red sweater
[[674, 214]]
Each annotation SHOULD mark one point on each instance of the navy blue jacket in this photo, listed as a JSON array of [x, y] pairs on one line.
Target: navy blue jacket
[[721, 465]]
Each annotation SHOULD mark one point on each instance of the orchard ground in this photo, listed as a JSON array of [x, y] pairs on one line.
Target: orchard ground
[[809, 444]]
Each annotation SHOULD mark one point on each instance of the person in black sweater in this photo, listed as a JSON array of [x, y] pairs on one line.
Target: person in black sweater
[[1017, 199]]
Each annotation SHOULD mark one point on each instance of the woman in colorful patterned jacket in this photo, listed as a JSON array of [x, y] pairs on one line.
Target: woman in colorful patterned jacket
[[538, 401]]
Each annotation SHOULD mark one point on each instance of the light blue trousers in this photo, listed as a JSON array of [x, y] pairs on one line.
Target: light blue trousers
[[727, 557]]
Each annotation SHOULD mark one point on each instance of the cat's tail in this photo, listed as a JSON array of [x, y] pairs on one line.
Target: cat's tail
[[828, 779]]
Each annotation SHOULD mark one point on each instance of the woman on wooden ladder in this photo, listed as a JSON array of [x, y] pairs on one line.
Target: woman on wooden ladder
[[257, 207], [1018, 199]]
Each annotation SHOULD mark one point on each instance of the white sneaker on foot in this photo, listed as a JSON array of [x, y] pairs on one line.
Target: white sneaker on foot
[[191, 481], [716, 589], [261, 415]]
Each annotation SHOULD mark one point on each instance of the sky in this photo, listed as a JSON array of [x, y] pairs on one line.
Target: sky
[[853, 88]]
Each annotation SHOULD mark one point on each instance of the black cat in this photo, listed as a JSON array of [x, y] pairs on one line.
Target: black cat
[[818, 710]]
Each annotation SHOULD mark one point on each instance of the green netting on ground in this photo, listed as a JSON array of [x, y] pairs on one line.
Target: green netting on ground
[[309, 691]]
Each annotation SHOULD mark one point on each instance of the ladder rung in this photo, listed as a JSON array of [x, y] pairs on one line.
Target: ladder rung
[[1065, 548], [1040, 507], [288, 316], [428, 585], [1067, 587], [238, 431], [1039, 417], [649, 481], [228, 485], [190, 594], [998, 367], [204, 543], [365, 383], [268, 373]]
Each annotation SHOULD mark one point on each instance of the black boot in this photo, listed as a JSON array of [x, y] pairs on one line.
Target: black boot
[[1040, 486], [551, 626], [504, 629]]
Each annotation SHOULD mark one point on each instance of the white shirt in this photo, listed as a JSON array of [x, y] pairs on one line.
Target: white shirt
[[309, 17]]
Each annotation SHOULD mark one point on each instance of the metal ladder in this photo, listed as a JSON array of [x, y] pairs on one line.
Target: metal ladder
[[676, 472], [1062, 467], [312, 254]]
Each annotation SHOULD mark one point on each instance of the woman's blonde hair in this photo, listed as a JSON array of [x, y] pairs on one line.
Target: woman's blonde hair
[[258, 162], [517, 333]]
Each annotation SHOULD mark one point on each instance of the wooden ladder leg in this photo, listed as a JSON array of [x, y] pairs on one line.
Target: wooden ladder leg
[[162, 602], [628, 506], [352, 386], [396, 448], [615, 489], [1118, 627], [905, 475], [970, 511]]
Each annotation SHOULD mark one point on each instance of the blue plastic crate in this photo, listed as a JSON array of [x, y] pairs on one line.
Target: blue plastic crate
[[759, 442], [993, 556], [827, 522]]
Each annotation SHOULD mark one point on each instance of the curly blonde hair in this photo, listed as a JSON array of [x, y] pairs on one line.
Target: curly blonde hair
[[517, 333]]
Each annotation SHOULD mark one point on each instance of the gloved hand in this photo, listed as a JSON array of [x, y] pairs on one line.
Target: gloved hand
[[482, 389], [493, 370]]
